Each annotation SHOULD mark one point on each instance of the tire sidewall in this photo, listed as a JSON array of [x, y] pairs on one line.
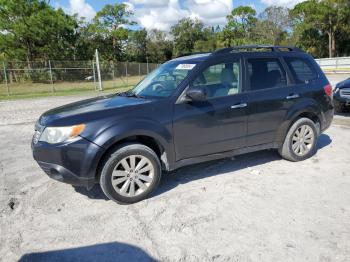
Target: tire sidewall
[[295, 126], [115, 158]]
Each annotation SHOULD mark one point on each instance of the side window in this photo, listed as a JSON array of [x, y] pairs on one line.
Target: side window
[[266, 73], [220, 79], [303, 71]]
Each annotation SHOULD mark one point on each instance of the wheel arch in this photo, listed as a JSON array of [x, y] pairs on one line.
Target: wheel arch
[[144, 139], [311, 112]]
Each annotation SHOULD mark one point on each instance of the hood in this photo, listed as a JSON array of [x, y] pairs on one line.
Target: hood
[[344, 84], [89, 108]]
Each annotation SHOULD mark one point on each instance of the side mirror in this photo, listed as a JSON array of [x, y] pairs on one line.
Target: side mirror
[[196, 94]]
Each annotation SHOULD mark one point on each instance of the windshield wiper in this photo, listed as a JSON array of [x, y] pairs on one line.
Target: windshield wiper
[[129, 94]]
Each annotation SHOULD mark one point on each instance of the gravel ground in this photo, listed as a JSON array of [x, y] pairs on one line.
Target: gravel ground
[[257, 207]]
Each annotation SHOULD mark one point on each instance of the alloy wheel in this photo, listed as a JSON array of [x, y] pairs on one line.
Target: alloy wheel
[[303, 140], [132, 175]]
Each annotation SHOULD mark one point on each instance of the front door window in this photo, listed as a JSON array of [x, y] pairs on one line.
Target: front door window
[[220, 79]]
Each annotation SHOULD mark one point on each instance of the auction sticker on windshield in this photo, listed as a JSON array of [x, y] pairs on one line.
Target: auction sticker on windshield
[[185, 66]]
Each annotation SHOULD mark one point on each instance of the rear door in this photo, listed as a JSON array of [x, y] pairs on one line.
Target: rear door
[[270, 95]]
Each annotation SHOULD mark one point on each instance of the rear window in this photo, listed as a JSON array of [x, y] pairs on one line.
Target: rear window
[[302, 69]]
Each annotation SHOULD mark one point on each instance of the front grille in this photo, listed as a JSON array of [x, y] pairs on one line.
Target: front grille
[[345, 92]]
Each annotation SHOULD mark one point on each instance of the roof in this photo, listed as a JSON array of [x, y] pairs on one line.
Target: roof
[[257, 48], [193, 57], [198, 57]]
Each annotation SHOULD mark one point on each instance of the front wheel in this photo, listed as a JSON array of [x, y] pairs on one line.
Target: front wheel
[[130, 174], [300, 141]]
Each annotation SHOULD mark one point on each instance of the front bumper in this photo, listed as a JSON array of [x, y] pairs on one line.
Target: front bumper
[[74, 162], [62, 174]]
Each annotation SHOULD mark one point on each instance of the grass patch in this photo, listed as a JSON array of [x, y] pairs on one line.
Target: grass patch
[[33, 90], [63, 93]]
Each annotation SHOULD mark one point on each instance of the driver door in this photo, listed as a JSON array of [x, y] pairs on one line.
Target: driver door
[[217, 124]]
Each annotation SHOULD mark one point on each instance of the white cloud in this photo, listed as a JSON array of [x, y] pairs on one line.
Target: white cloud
[[211, 12], [160, 17], [162, 14], [150, 3], [81, 8], [286, 3]]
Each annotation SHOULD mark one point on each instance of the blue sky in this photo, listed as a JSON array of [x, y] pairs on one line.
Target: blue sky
[[162, 14]]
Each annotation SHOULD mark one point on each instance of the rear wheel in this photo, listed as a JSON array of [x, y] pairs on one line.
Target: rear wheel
[[300, 142], [130, 174]]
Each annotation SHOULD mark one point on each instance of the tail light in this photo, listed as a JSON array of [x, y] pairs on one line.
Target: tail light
[[328, 90]]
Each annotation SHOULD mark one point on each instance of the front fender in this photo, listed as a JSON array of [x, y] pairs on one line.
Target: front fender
[[136, 127]]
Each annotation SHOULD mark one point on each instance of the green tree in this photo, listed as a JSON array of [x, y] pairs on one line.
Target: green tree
[[186, 32], [86, 43], [110, 24], [240, 23], [210, 40], [32, 29], [273, 26], [329, 17], [159, 48], [137, 45]]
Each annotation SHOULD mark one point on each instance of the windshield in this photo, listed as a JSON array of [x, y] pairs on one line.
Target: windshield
[[164, 80]]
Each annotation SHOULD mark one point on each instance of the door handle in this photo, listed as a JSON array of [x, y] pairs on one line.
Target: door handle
[[292, 96], [241, 105]]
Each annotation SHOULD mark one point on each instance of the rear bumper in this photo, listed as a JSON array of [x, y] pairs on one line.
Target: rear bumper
[[327, 118], [74, 162]]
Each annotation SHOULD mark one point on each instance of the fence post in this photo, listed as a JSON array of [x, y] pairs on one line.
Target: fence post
[[5, 74], [94, 72], [98, 72], [53, 88], [139, 69], [147, 65]]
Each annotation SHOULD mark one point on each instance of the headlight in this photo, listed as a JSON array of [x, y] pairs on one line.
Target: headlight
[[336, 90], [55, 135]]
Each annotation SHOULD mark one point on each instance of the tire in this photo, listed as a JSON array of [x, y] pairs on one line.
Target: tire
[[292, 148], [130, 164]]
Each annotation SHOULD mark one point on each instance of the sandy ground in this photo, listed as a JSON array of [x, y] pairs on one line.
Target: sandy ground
[[257, 207]]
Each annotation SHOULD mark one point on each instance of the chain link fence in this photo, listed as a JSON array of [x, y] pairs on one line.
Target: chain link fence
[[23, 78], [40, 77]]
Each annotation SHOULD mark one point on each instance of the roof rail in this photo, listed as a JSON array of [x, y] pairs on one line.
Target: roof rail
[[252, 47], [194, 53]]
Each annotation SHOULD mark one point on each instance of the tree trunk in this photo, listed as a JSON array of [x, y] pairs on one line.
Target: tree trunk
[[330, 44], [114, 42], [28, 55], [331, 39], [333, 45]]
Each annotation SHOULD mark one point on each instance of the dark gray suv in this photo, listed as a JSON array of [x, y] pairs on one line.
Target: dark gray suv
[[189, 110]]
